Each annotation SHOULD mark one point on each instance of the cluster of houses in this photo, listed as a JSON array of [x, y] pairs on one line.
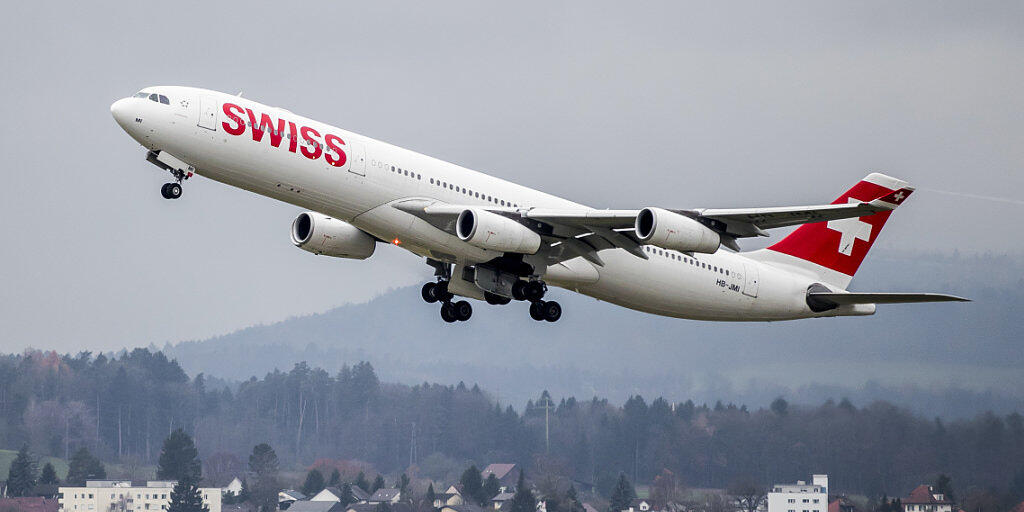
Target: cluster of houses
[[125, 495], [450, 500]]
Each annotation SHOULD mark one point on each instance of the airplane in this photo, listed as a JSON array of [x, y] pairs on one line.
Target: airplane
[[492, 240]]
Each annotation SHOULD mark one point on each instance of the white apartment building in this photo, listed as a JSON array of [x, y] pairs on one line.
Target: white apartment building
[[126, 496], [801, 496]]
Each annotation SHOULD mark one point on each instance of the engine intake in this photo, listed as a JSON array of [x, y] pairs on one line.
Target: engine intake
[[495, 232], [662, 228], [320, 234]]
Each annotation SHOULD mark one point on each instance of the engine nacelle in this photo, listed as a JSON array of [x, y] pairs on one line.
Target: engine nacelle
[[662, 228], [495, 232], [320, 234]]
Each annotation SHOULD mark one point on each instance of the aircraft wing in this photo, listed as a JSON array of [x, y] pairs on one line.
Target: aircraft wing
[[585, 232]]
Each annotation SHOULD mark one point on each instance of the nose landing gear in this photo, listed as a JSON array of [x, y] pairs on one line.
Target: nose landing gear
[[171, 190]]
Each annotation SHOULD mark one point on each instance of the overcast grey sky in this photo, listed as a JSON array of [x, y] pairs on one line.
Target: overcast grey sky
[[608, 103]]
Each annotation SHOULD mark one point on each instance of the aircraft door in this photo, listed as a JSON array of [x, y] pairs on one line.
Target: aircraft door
[[208, 113], [358, 165], [750, 279]]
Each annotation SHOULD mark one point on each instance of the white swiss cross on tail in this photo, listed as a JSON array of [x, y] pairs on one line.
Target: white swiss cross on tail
[[850, 230]]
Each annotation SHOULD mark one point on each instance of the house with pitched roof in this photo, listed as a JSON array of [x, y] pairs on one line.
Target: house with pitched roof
[[924, 498], [507, 474], [389, 496]]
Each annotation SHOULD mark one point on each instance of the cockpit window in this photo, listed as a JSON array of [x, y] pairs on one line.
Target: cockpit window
[[159, 98]]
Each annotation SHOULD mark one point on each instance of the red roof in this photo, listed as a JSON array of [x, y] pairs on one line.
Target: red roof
[[29, 504], [922, 495], [1018, 508], [833, 506]]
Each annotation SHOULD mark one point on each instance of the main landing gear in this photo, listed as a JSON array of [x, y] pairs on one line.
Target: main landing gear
[[530, 291], [450, 311], [534, 291]]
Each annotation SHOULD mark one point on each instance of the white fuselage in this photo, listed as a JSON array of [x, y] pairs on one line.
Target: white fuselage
[[361, 191]]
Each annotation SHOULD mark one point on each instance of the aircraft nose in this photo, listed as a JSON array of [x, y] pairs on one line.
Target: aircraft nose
[[121, 112]]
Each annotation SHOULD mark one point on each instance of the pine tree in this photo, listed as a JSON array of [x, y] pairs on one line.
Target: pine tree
[[21, 478], [346, 495], [314, 482], [185, 496], [431, 495], [263, 463], [179, 458], [335, 478], [403, 488], [49, 475], [523, 501], [491, 487], [361, 482], [378, 483], [472, 484], [572, 500], [621, 495], [84, 466]]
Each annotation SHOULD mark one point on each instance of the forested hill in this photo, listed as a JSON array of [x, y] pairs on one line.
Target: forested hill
[[937, 359], [122, 408]]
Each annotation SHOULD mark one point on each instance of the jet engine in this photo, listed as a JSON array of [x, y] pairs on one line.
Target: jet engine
[[662, 228], [495, 232], [320, 234]]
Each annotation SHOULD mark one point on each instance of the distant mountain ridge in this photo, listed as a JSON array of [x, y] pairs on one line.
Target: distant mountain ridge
[[922, 352]]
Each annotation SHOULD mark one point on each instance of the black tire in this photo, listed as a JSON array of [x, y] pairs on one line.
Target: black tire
[[173, 190], [519, 290], [427, 292], [534, 291], [463, 310], [535, 311], [448, 312], [441, 291], [552, 311], [163, 191]]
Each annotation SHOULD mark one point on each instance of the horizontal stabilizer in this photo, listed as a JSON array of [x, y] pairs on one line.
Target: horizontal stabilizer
[[884, 298]]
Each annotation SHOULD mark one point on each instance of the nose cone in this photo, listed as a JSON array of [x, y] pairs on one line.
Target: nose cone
[[121, 111]]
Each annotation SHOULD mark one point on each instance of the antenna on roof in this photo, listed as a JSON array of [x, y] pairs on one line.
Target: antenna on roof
[[239, 94]]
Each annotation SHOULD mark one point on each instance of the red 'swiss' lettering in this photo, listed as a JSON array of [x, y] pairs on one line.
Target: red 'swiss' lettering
[[332, 147], [266, 124], [334, 143], [293, 137], [317, 150], [229, 111]]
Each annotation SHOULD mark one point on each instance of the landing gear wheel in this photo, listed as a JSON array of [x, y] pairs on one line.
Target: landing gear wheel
[[519, 290], [495, 299], [534, 291], [448, 312], [463, 310], [551, 310], [427, 292], [441, 291], [535, 311], [171, 190]]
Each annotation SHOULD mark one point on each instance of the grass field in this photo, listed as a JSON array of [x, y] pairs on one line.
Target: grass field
[[7, 456]]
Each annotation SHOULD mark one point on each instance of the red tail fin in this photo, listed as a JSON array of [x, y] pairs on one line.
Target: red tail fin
[[841, 245]]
